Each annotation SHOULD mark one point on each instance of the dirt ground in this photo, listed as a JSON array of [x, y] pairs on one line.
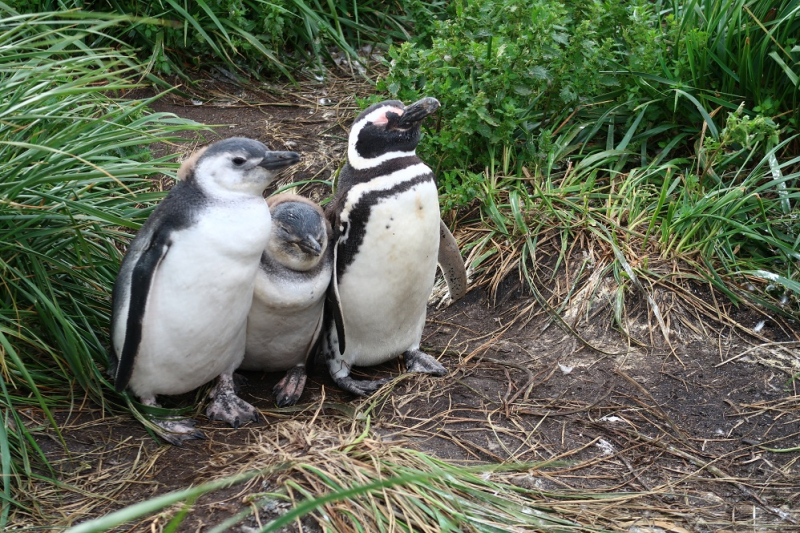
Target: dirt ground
[[685, 431]]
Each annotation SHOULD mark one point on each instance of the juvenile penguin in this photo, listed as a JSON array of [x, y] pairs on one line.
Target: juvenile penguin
[[285, 319], [386, 238], [184, 289]]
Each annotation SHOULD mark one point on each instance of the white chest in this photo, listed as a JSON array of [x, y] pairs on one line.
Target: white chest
[[194, 322], [284, 319], [384, 290]]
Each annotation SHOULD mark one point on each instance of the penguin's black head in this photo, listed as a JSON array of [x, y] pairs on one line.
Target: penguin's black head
[[299, 235], [236, 164], [387, 128]]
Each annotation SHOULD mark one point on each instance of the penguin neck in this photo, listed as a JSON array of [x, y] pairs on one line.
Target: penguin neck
[[217, 191], [218, 181], [362, 163]]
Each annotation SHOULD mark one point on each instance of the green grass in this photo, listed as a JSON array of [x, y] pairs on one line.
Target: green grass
[[75, 158], [251, 38], [738, 51]]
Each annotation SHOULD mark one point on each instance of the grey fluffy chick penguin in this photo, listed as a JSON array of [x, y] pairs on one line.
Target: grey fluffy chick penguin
[[285, 319], [184, 289], [388, 238]]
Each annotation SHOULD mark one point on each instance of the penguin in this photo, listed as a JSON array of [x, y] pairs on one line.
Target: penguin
[[181, 298], [285, 319], [386, 244]]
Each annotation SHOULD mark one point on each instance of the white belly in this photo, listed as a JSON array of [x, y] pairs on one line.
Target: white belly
[[384, 291], [284, 320], [194, 323]]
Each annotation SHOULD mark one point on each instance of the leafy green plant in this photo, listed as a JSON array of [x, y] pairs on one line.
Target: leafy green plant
[[509, 72], [75, 161]]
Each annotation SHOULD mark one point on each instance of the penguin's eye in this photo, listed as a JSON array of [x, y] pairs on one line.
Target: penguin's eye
[[239, 161]]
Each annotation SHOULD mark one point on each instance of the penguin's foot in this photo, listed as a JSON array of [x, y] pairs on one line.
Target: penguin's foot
[[173, 429], [177, 430], [361, 387], [440, 295], [419, 361], [288, 390], [228, 407], [239, 381]]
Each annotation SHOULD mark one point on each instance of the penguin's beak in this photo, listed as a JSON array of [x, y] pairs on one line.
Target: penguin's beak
[[417, 111], [278, 160], [310, 245]]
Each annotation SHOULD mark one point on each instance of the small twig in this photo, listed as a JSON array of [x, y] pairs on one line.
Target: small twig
[[566, 412], [787, 344], [716, 471], [657, 408]]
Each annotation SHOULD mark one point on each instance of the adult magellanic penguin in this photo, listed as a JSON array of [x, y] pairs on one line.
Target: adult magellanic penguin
[[285, 319], [184, 289], [386, 234]]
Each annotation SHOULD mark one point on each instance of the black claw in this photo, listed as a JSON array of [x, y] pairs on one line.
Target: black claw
[[177, 439], [284, 401]]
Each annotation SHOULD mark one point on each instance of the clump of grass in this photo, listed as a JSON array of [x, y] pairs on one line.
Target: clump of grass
[[736, 51], [75, 161], [252, 38], [726, 216], [335, 471]]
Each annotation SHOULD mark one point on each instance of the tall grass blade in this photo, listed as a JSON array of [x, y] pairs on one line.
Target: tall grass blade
[[74, 159]]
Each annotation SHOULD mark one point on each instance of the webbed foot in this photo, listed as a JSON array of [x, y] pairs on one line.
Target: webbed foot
[[228, 407], [361, 387], [419, 361], [289, 389], [178, 430], [174, 430]]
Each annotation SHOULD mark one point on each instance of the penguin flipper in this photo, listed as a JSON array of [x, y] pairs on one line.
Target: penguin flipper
[[455, 274], [333, 303], [141, 281], [316, 339]]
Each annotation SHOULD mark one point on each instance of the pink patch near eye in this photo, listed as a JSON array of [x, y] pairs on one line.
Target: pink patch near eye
[[383, 119]]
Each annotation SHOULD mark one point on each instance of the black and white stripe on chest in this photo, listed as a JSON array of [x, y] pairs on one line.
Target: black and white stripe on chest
[[390, 204]]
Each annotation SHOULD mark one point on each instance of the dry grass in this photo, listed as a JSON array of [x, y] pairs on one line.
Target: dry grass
[[572, 281], [637, 469]]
